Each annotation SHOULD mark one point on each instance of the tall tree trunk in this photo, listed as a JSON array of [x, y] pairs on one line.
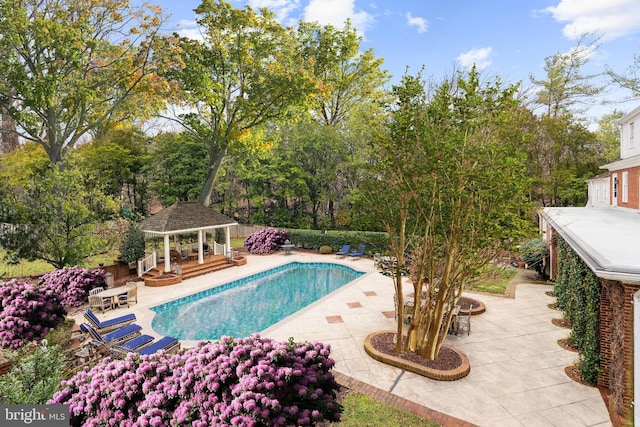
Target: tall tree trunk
[[8, 135], [212, 174]]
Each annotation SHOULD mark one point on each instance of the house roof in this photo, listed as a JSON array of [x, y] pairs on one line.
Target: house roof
[[629, 162], [606, 238], [184, 217]]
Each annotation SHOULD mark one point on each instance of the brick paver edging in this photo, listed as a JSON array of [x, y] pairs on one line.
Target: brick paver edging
[[400, 403], [435, 374]]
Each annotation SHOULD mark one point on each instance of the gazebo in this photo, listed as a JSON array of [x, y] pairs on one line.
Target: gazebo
[[188, 217]]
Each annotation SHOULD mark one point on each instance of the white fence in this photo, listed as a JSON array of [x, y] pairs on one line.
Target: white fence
[[147, 263]]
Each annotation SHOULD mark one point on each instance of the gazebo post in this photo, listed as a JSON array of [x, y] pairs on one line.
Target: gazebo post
[[167, 254], [200, 242], [227, 235]]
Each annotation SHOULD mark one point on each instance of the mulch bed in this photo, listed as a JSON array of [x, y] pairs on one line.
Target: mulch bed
[[551, 294], [573, 373], [468, 303], [553, 306], [563, 323], [446, 360], [566, 344]]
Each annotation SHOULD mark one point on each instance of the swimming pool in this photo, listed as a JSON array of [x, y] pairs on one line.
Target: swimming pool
[[250, 304]]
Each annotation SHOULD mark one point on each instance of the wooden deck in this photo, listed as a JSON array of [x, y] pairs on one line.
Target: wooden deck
[[191, 268]]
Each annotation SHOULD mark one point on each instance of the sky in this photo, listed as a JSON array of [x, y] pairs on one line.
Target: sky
[[505, 38]]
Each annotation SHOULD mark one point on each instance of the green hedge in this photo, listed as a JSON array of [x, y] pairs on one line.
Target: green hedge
[[314, 239], [578, 291]]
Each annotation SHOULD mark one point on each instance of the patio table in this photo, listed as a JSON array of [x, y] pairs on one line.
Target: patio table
[[114, 294]]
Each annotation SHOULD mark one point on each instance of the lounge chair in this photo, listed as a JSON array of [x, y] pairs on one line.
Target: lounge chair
[[116, 337], [109, 324], [359, 251], [344, 251], [167, 344]]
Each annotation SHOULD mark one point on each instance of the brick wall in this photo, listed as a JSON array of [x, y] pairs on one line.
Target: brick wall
[[616, 358], [633, 191]]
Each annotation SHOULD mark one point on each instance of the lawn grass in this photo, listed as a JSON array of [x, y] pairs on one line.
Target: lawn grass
[[494, 280], [363, 411], [33, 268]]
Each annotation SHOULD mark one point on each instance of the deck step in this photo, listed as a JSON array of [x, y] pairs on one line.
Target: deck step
[[193, 269]]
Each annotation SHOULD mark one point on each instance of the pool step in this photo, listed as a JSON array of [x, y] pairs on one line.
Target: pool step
[[193, 269]]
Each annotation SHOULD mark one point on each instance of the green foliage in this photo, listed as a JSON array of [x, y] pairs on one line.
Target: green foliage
[[578, 291], [324, 250], [176, 167], [449, 187], [116, 161], [34, 377], [66, 218], [533, 253], [69, 67], [315, 239], [246, 72], [132, 248]]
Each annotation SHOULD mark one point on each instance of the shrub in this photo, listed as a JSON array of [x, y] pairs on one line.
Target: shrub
[[133, 245], [533, 253], [248, 381], [325, 250], [72, 284], [27, 313], [34, 377], [265, 241]]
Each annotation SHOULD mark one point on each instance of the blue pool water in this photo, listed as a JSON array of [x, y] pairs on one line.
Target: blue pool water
[[251, 304]]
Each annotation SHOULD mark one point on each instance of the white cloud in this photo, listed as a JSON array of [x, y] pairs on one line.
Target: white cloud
[[479, 57], [189, 29], [612, 18], [418, 22], [281, 8], [336, 12]]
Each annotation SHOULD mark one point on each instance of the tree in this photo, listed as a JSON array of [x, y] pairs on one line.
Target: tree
[[630, 78], [116, 159], [562, 153], [176, 167], [608, 136], [565, 86], [69, 66], [132, 247], [65, 218], [345, 77], [245, 73], [449, 189]]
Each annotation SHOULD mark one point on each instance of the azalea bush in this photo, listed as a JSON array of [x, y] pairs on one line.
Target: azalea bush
[[250, 381], [265, 241], [73, 284], [27, 313]]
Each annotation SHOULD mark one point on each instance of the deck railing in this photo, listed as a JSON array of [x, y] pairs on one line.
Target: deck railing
[[218, 249], [147, 263]]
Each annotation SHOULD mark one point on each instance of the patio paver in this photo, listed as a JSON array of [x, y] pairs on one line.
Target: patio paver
[[517, 368]]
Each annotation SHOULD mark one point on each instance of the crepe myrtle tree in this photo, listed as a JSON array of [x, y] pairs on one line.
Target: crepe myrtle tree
[[449, 188]]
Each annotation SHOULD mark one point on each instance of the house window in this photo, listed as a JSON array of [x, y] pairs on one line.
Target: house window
[[632, 141], [625, 187]]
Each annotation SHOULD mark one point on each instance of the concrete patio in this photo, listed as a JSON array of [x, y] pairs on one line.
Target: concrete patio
[[517, 368]]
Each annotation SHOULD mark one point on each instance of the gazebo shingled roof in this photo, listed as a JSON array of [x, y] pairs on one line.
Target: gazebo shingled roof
[[184, 216]]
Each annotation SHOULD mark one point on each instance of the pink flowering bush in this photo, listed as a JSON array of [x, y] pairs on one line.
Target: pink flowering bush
[[73, 284], [27, 313], [250, 381], [265, 241]]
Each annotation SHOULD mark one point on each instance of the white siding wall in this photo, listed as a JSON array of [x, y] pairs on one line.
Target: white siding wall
[[630, 135]]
